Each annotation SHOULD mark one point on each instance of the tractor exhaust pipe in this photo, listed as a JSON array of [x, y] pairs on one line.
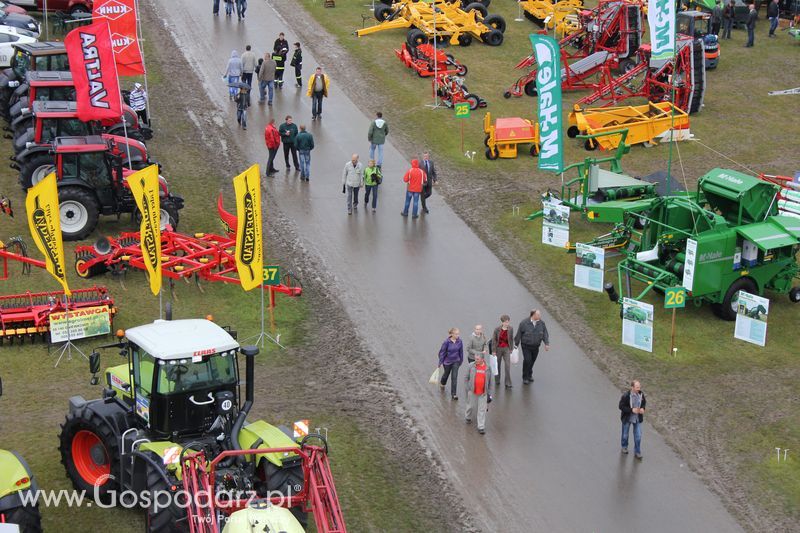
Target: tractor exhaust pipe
[[250, 353]]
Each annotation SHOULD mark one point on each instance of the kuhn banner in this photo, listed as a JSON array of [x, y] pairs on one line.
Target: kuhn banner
[[661, 17], [548, 85], [145, 189], [122, 21], [91, 62], [44, 220], [249, 255]]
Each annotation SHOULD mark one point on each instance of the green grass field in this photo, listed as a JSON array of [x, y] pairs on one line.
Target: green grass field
[[740, 127]]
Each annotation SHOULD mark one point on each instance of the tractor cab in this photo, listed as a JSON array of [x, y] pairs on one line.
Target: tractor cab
[[38, 56], [42, 85], [184, 375], [697, 24], [47, 121]]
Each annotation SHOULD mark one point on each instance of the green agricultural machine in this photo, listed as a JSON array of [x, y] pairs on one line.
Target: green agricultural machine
[[723, 238], [170, 421], [16, 486]]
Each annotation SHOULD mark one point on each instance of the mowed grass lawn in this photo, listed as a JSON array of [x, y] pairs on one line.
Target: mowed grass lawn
[[751, 393]]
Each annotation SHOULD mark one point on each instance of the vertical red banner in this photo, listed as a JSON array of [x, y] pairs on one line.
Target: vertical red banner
[[91, 62], [121, 17]]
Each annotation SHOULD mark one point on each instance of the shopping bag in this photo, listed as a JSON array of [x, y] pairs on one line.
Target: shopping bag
[[493, 364], [515, 356], [436, 376]]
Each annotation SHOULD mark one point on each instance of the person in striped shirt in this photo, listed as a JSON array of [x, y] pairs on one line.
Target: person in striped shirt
[[139, 102]]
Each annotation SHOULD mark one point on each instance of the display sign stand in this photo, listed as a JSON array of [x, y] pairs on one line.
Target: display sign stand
[[68, 346], [259, 339]]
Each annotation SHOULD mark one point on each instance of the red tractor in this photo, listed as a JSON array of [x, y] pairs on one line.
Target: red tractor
[[451, 90], [41, 85], [609, 38], [427, 61], [91, 182], [27, 58]]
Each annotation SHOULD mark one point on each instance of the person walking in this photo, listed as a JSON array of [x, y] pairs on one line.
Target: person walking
[[297, 63], [752, 17], [430, 171], [272, 138], [304, 143], [451, 355], [716, 18], [233, 71], [241, 7], [372, 179], [228, 8], [352, 180], [248, 65], [415, 178], [530, 335], [727, 19], [280, 49], [318, 85], [502, 339], [773, 12], [288, 131], [266, 79], [138, 101], [242, 103], [477, 344], [479, 391], [632, 405], [376, 136], [215, 8]]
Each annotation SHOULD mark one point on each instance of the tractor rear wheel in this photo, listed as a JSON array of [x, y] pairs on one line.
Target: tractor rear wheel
[[79, 213], [416, 37], [169, 215], [493, 38], [89, 452], [496, 22], [26, 517], [473, 101], [161, 518], [465, 39], [382, 12], [477, 6], [572, 132], [530, 88], [728, 309], [491, 155], [35, 169]]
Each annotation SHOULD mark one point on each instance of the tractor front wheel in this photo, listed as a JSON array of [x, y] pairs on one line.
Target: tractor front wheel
[[530, 88], [27, 518], [89, 452], [728, 309], [496, 22], [477, 6], [79, 213], [465, 39], [573, 132], [35, 169], [382, 12]]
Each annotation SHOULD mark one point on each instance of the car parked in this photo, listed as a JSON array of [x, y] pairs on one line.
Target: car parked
[[9, 36], [23, 22], [68, 6], [11, 8]]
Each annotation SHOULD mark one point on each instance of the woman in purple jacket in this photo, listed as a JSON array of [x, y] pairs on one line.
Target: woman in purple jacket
[[451, 355]]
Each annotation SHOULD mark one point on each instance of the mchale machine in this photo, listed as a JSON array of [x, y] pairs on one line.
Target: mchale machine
[[451, 90], [171, 426], [609, 38], [428, 61]]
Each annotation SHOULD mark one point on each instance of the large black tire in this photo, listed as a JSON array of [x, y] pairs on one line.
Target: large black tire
[[92, 271], [382, 12], [491, 155], [35, 168], [626, 65], [26, 517], [169, 215], [79, 213], [89, 448], [171, 519], [495, 22], [493, 38], [473, 101], [530, 88], [416, 37], [477, 6], [572, 132], [461, 70], [727, 310], [281, 479], [465, 39]]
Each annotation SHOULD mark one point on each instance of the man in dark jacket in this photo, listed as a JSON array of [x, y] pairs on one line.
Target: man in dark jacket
[[280, 49], [304, 143], [751, 26], [772, 14], [430, 170], [716, 18], [728, 15], [297, 63], [530, 335], [632, 405], [288, 131]]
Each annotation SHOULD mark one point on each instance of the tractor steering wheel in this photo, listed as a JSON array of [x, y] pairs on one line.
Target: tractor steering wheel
[[175, 372]]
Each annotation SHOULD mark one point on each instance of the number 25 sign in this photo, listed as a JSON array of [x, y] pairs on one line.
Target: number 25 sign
[[462, 110]]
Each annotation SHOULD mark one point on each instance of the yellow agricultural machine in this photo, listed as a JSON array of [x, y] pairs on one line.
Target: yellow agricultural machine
[[503, 137], [644, 123], [440, 21], [561, 15]]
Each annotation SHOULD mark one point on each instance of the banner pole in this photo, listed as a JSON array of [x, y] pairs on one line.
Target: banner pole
[[121, 103], [261, 337], [46, 25], [140, 36], [672, 102]]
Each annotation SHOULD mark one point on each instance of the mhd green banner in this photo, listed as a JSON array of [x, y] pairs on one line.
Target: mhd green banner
[[548, 85], [661, 17]]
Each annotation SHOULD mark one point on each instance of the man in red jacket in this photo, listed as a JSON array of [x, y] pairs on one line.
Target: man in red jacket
[[416, 179], [273, 140]]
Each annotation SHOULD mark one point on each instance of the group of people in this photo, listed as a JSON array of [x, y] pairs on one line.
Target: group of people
[[239, 6], [531, 334], [725, 17]]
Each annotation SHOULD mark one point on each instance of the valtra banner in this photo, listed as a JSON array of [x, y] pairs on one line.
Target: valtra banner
[[122, 22], [91, 62]]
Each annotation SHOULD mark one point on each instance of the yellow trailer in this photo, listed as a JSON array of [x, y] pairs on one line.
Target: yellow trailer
[[563, 15], [503, 137], [644, 123]]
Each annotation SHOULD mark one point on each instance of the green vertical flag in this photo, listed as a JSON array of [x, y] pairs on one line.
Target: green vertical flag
[[548, 85]]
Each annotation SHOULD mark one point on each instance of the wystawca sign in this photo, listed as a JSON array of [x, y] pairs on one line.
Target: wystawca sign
[[548, 86]]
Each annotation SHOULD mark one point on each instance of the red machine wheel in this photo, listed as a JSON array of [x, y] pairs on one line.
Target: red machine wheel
[[530, 88], [473, 101], [91, 458]]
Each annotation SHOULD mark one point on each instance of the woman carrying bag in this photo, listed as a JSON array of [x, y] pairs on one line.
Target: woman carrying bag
[[451, 355], [502, 341]]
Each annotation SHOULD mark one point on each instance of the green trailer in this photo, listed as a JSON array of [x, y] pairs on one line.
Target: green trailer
[[725, 237]]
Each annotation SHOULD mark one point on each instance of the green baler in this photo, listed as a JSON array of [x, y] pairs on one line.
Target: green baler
[[725, 237]]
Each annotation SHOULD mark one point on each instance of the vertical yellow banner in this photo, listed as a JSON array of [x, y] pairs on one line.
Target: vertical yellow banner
[[44, 220], [249, 253], [144, 186]]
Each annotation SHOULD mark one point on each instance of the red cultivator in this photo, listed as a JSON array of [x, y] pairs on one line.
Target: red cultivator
[[318, 495], [610, 34], [427, 62], [452, 91], [26, 316]]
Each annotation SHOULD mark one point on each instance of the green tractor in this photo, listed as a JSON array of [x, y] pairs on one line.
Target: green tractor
[[178, 393], [17, 486]]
